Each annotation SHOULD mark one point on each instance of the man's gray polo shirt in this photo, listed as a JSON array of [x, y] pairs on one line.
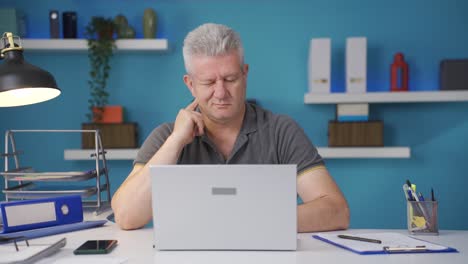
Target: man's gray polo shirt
[[265, 138]]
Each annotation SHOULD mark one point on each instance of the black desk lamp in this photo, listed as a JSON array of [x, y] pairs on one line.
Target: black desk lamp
[[20, 82]]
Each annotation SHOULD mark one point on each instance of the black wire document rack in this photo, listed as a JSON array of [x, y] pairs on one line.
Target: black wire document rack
[[22, 182]]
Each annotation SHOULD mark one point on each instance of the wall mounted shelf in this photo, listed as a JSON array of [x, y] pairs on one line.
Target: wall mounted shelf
[[111, 154], [364, 152], [379, 97], [325, 152], [81, 45], [386, 97]]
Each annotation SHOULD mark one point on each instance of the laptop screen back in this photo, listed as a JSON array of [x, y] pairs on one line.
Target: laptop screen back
[[224, 207]]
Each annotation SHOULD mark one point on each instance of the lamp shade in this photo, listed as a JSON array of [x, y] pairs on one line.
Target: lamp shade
[[22, 83]]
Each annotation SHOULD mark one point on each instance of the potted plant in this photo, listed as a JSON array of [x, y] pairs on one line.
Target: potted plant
[[108, 119], [101, 44]]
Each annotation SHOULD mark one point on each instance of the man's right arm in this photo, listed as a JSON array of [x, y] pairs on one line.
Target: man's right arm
[[132, 201]]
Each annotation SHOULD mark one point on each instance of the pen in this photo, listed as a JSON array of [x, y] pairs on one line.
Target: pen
[[408, 183], [411, 191], [421, 197], [408, 193], [363, 239], [432, 194]]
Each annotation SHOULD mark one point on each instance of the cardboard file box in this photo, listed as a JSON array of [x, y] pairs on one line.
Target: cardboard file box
[[356, 65], [122, 135], [320, 65], [355, 134]]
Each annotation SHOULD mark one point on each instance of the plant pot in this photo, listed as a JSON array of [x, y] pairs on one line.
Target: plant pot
[[106, 34], [124, 135], [109, 114]]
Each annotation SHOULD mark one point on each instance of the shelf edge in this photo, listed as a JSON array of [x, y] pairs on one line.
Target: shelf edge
[[325, 152], [387, 97], [81, 45], [364, 152]]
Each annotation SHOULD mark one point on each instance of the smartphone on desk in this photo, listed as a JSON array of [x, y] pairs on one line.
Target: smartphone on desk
[[96, 247]]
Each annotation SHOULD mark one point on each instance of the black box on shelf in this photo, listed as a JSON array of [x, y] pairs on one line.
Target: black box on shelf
[[122, 135], [355, 134], [454, 74], [54, 25]]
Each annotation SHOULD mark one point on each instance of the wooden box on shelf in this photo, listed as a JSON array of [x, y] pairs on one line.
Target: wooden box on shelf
[[123, 135], [355, 134]]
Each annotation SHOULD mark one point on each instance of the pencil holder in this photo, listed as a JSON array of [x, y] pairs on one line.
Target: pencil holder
[[422, 217]]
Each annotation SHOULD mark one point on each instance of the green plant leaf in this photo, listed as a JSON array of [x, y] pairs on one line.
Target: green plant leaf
[[99, 33]]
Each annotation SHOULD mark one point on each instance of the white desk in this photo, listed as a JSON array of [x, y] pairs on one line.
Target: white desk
[[137, 247]]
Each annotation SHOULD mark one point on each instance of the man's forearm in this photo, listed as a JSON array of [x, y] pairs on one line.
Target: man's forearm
[[323, 214], [132, 201]]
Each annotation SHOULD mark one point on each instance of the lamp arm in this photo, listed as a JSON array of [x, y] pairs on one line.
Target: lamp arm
[[9, 43]]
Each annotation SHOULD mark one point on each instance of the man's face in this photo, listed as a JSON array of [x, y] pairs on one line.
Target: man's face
[[219, 84]]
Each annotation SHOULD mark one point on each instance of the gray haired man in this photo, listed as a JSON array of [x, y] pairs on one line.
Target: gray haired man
[[219, 127]]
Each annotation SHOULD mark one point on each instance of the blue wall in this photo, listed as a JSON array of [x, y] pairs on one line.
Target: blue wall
[[276, 37]]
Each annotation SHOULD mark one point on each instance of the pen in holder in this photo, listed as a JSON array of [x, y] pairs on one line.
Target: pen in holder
[[422, 217]]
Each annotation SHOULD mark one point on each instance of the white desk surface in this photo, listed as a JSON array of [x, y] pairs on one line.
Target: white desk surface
[[137, 247]]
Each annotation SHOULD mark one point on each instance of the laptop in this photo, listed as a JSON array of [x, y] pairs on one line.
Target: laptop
[[224, 207]]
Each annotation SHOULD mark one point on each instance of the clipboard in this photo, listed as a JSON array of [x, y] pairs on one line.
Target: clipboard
[[392, 243]]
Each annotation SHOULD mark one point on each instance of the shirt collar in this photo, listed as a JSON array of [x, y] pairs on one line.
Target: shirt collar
[[249, 124]]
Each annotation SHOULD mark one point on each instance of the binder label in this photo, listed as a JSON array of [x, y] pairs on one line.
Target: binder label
[[30, 213]]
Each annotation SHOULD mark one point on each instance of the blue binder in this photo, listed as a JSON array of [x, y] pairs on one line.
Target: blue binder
[[39, 213], [52, 230]]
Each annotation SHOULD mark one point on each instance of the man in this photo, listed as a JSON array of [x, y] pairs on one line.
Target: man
[[219, 127]]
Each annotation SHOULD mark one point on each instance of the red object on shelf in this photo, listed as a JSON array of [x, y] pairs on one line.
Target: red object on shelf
[[399, 74], [109, 114]]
